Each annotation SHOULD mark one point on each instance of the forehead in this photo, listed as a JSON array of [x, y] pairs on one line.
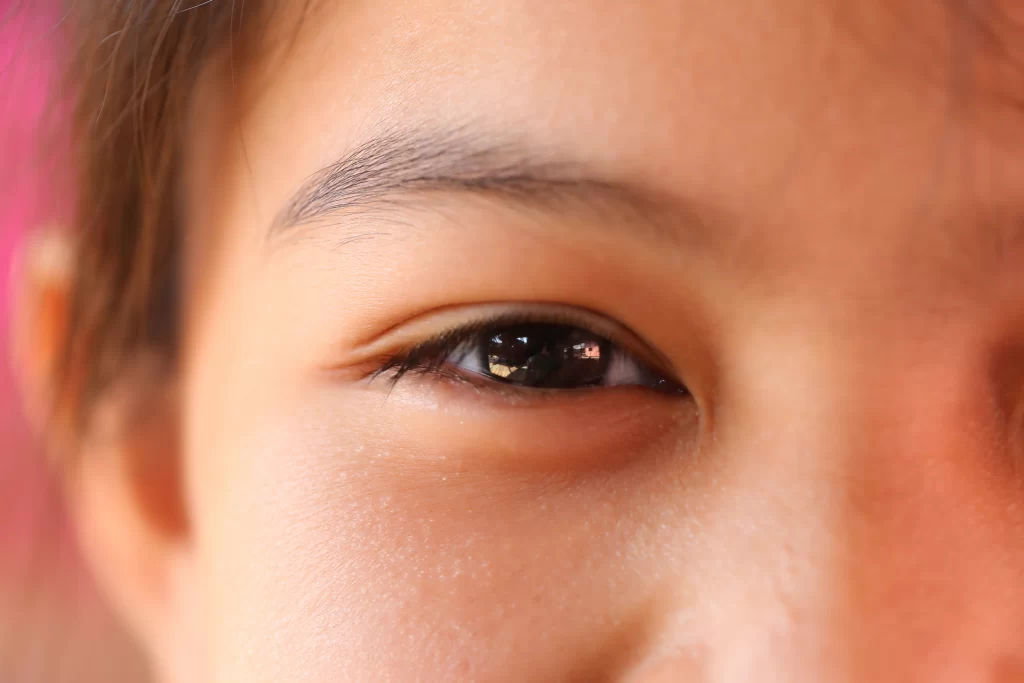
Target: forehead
[[812, 128]]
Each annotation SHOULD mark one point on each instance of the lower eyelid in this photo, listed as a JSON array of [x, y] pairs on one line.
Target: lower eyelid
[[453, 387]]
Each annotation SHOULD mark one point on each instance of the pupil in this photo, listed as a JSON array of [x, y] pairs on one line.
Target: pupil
[[547, 356]]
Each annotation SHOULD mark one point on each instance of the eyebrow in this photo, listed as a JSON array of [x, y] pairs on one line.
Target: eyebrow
[[392, 168]]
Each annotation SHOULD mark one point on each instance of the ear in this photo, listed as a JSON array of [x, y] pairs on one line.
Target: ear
[[121, 473]]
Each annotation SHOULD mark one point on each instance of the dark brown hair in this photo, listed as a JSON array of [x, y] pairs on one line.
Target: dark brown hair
[[132, 67]]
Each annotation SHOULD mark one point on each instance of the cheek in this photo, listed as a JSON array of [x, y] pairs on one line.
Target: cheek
[[322, 529]]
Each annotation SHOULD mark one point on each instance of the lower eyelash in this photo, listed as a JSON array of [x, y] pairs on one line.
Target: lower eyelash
[[399, 367]]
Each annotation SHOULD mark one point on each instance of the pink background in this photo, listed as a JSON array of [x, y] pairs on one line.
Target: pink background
[[53, 628]]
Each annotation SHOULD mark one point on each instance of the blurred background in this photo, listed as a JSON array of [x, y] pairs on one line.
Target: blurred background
[[53, 626]]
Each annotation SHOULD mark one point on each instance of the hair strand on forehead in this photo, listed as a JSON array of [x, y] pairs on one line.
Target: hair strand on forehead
[[132, 68]]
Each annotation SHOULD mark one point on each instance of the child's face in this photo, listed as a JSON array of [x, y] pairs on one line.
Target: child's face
[[798, 206]]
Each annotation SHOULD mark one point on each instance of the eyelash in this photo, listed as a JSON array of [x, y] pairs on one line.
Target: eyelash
[[432, 357]]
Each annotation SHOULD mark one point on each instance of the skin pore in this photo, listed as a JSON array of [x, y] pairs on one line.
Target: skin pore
[[783, 207]]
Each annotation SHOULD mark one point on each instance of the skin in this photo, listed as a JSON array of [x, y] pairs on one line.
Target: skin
[[828, 257]]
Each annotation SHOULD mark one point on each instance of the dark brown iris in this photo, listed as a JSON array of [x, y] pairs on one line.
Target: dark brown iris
[[545, 356]]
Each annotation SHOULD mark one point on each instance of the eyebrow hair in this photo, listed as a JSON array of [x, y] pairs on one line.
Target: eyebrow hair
[[395, 166]]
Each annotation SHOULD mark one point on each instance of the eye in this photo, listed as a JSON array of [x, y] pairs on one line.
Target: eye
[[549, 356], [552, 356]]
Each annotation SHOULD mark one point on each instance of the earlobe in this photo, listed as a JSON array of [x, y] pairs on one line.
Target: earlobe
[[126, 498]]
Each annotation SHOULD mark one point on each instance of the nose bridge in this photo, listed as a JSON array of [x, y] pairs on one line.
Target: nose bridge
[[777, 542], [868, 520]]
